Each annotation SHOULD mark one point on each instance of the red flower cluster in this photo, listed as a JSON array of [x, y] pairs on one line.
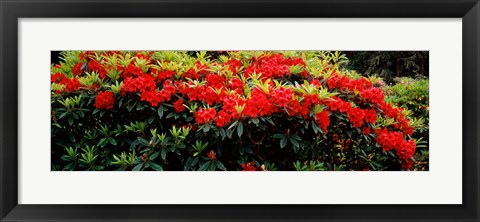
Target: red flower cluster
[[78, 69], [71, 85], [204, 115], [233, 65], [391, 140], [178, 106], [323, 120], [104, 100], [212, 155], [356, 116], [282, 96], [95, 66], [58, 78], [274, 65], [250, 166]]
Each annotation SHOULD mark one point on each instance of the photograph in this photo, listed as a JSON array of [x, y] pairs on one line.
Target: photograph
[[227, 110], [240, 110]]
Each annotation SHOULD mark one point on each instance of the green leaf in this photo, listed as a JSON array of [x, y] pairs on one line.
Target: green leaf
[[295, 149], [112, 141], [294, 136], [164, 154], [241, 150], [195, 161], [103, 142], [138, 167], [220, 165], [240, 129], [154, 155], [134, 144], [212, 166], [294, 142], [223, 133], [160, 111], [283, 142], [229, 133], [143, 141], [206, 128], [349, 133], [204, 166], [155, 166], [188, 164]]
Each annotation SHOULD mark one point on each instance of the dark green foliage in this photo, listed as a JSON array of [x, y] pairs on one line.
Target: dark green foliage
[[389, 64]]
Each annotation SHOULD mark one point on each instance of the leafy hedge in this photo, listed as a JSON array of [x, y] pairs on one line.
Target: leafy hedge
[[245, 110], [413, 94]]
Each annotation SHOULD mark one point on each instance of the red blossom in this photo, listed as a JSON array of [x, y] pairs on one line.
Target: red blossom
[[356, 116], [366, 131], [72, 85], [370, 116], [104, 100], [223, 118], [78, 69], [250, 166], [323, 120], [58, 78], [204, 115], [178, 106], [95, 66], [392, 140], [212, 155]]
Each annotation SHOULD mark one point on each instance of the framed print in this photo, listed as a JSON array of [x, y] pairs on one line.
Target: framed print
[[155, 107]]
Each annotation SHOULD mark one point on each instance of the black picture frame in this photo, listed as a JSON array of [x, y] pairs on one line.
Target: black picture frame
[[10, 11]]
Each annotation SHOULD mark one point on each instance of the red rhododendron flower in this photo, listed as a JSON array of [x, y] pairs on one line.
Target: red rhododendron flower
[[151, 96], [58, 78], [212, 155], [133, 70], [104, 100], [356, 116], [374, 95], [337, 104], [78, 69], [274, 65], [178, 106], [223, 118], [204, 115], [237, 85], [95, 66], [323, 120], [250, 166], [72, 85], [366, 131], [166, 74], [215, 81], [233, 65], [391, 140], [282, 96], [370, 116]]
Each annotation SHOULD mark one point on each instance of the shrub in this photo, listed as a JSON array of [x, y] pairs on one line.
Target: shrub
[[245, 110], [412, 94]]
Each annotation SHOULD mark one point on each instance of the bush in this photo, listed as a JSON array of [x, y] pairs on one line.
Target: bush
[[412, 94], [178, 110]]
